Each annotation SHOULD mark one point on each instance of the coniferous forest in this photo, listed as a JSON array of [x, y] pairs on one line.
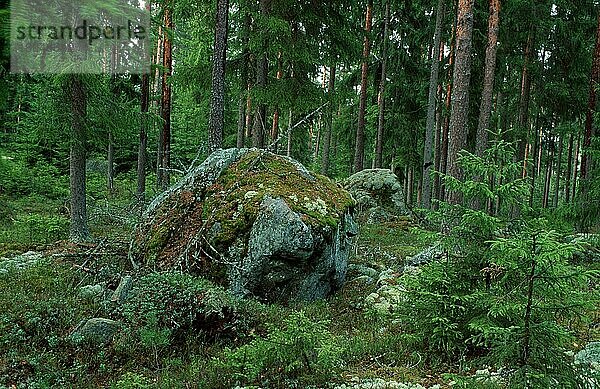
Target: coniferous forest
[[309, 194]]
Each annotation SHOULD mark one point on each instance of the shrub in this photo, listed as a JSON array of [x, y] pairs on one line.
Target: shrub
[[300, 346], [176, 302]]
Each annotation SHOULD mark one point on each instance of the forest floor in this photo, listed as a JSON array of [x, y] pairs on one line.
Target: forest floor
[[351, 339]]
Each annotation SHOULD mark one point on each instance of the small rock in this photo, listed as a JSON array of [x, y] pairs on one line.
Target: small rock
[[122, 291], [97, 330], [91, 291]]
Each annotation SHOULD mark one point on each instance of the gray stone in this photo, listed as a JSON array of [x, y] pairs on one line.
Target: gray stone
[[122, 291], [91, 291], [97, 330], [425, 256], [378, 193], [256, 222]]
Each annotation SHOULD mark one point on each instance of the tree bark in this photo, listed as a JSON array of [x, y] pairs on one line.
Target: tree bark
[[141, 161], [548, 178], [586, 159], [575, 166], [447, 103], [558, 171], [431, 107], [79, 231], [163, 174], [329, 125], [110, 159], [381, 94], [485, 107], [522, 130], [244, 87], [275, 127], [359, 151], [460, 93], [569, 170], [260, 115], [217, 101]]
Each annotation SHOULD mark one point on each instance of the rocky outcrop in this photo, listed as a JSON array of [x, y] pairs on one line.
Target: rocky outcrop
[[256, 222], [378, 194]]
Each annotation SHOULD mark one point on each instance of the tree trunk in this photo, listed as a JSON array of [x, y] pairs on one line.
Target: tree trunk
[[275, 128], [431, 107], [569, 170], [485, 107], [522, 130], [216, 122], [460, 93], [586, 159], [110, 159], [381, 94], [558, 171], [262, 65], [141, 161], [289, 135], [359, 151], [79, 231], [244, 87], [446, 126], [575, 165], [329, 124], [548, 179], [536, 159], [410, 179], [163, 174]]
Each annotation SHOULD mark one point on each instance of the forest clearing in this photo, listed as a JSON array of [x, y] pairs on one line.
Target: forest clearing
[[357, 194]]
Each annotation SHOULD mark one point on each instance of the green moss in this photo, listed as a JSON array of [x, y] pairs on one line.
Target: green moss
[[235, 198]]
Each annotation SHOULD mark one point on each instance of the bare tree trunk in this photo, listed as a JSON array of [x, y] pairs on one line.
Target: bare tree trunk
[[586, 159], [329, 124], [431, 105], [485, 107], [141, 161], [524, 102], [289, 135], [262, 65], [410, 179], [216, 121], [536, 159], [275, 128], [244, 88], [575, 165], [460, 94], [163, 173], [79, 231], [558, 171], [569, 170], [548, 179], [381, 94], [446, 126], [110, 159], [359, 151]]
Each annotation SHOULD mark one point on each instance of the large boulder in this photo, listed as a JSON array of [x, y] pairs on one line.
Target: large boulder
[[378, 193], [256, 222]]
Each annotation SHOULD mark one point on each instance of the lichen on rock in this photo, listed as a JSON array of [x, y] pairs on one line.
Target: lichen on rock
[[257, 222], [378, 194]]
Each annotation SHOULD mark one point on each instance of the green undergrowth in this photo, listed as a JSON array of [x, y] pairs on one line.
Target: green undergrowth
[[181, 331]]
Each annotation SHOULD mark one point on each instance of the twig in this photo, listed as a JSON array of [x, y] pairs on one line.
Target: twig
[[280, 137]]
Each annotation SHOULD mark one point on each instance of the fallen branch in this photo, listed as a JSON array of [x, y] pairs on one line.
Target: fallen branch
[[280, 137]]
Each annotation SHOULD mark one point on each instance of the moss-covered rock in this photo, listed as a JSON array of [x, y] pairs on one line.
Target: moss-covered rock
[[257, 222], [378, 193]]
